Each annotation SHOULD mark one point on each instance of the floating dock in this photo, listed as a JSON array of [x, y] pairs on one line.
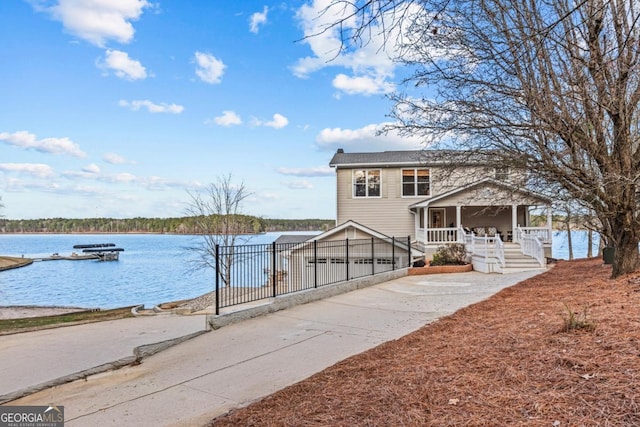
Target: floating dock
[[99, 251], [103, 251]]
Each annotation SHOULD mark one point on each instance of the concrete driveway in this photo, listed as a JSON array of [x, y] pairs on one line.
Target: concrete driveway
[[191, 383]]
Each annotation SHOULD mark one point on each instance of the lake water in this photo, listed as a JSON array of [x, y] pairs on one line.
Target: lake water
[[153, 269]]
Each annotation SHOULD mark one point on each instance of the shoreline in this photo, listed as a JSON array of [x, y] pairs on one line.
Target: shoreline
[[8, 262], [25, 311]]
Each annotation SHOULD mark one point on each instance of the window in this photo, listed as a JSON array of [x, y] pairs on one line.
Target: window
[[366, 183], [415, 182], [502, 174]]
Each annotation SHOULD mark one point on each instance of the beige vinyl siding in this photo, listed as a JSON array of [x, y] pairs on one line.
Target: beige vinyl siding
[[388, 214]]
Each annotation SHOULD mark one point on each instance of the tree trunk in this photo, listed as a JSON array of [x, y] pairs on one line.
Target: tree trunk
[[589, 243], [569, 237], [626, 259]]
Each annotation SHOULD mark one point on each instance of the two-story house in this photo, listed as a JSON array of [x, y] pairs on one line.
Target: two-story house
[[418, 194]]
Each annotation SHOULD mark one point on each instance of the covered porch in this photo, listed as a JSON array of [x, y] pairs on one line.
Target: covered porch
[[448, 224], [485, 216]]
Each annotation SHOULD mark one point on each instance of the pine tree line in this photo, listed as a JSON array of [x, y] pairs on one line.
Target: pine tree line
[[183, 225]]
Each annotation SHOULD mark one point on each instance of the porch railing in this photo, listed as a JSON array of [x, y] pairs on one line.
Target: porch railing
[[542, 233], [487, 247], [440, 235], [532, 246]]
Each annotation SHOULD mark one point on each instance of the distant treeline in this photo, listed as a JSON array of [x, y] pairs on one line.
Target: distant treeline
[[184, 225]]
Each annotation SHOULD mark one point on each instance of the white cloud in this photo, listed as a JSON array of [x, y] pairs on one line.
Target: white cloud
[[279, 121], [299, 185], [98, 21], [258, 19], [367, 138], [209, 68], [151, 106], [24, 139], [363, 85], [19, 186], [316, 20], [228, 118], [92, 168], [124, 177], [307, 172], [370, 63], [38, 170], [116, 159], [123, 66]]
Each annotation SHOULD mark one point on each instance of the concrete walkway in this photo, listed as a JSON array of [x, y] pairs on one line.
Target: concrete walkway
[[206, 376]]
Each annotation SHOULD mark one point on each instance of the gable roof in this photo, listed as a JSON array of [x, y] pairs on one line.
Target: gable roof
[[358, 226], [406, 158], [293, 238], [346, 225], [483, 182]]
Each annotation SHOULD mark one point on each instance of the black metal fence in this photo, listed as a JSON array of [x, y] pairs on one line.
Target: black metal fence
[[250, 273]]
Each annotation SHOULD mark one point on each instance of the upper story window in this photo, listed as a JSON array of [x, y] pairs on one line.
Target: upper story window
[[366, 183], [502, 173], [415, 182]]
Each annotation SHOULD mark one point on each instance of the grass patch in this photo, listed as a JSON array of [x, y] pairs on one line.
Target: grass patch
[[577, 321], [8, 326]]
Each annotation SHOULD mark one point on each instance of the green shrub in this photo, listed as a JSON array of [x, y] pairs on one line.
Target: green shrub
[[450, 254]]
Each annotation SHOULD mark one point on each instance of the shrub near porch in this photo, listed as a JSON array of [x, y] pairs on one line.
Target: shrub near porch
[[451, 258]]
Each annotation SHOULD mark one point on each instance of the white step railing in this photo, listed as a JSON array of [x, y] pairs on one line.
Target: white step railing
[[531, 245], [487, 247]]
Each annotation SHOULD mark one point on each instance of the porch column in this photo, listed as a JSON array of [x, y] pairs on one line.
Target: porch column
[[514, 222], [549, 222], [425, 222], [458, 223]]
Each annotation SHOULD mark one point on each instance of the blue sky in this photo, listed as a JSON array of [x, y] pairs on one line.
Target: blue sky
[[119, 108]]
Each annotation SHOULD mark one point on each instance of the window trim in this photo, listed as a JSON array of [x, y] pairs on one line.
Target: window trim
[[415, 182], [501, 173], [366, 183]]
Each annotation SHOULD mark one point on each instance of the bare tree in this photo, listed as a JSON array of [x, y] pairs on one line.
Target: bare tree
[[218, 217], [552, 87]]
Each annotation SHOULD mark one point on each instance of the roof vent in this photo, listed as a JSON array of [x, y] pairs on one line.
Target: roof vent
[[340, 151]]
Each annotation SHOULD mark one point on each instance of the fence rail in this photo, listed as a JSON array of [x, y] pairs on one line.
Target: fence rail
[[247, 273]]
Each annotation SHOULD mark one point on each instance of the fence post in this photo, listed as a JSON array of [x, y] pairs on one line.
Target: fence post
[[346, 242], [217, 279], [393, 253], [373, 259], [273, 268], [409, 250], [315, 263]]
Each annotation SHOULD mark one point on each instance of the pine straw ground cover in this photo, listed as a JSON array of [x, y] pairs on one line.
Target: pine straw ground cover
[[559, 349]]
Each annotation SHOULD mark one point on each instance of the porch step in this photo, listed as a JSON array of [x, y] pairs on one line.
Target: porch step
[[516, 261]]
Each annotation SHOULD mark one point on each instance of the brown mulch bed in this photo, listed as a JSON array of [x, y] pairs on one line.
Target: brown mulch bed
[[506, 361]]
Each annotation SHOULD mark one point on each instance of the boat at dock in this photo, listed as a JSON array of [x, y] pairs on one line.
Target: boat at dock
[[102, 251]]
